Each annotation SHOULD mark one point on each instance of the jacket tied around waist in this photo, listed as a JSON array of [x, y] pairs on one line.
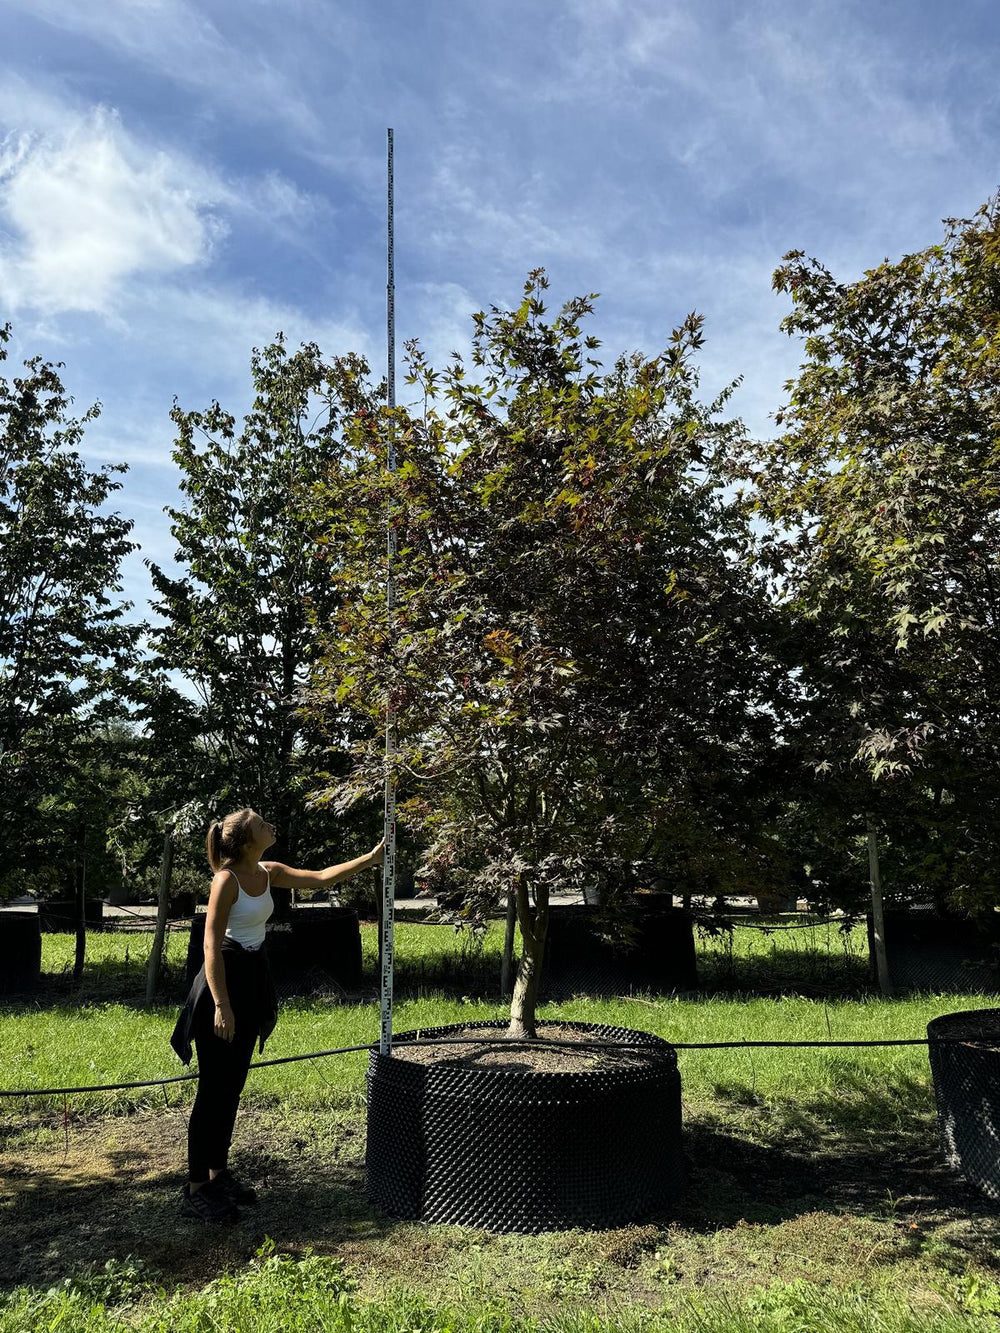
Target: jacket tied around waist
[[251, 993]]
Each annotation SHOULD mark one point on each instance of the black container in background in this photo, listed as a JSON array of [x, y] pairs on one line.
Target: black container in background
[[579, 959], [181, 906], [59, 917], [20, 952], [927, 951], [325, 940]]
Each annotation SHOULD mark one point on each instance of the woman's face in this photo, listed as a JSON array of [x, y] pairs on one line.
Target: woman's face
[[263, 832]]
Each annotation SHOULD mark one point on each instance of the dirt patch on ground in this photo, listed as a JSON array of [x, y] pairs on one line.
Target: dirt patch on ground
[[836, 1196], [113, 1189], [496, 1050]]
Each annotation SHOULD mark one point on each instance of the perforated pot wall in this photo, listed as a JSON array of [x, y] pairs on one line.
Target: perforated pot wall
[[519, 1150], [967, 1093]]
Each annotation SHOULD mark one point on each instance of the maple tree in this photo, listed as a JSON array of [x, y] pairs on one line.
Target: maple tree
[[882, 502], [576, 629]]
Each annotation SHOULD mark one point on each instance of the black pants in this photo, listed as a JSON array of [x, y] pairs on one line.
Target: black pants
[[222, 1070]]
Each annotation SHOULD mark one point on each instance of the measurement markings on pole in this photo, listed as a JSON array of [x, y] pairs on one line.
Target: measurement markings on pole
[[389, 864]]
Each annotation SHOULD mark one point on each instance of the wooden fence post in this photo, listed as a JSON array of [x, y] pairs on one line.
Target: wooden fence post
[[878, 916], [80, 884]]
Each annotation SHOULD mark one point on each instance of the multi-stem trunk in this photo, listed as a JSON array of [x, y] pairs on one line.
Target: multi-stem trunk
[[533, 926]]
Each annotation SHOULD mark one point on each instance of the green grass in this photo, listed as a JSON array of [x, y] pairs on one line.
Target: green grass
[[280, 1294], [80, 1039], [817, 1199], [65, 1046], [768, 955]]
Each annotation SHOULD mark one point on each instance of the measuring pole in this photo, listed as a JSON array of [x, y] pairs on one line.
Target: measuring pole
[[389, 866]]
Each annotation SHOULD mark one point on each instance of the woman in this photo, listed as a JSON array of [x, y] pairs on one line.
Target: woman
[[232, 1004]]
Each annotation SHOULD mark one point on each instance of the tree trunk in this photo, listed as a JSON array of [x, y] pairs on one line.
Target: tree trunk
[[156, 956], [941, 889], [878, 917], [529, 968], [80, 876], [507, 964]]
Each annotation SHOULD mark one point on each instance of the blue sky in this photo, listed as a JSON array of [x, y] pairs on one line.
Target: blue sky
[[180, 179]]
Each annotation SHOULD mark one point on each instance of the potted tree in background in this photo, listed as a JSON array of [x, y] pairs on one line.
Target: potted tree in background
[[885, 485], [66, 657], [880, 504], [574, 632]]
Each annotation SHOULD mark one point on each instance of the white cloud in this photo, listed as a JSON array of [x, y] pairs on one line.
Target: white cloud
[[89, 207], [211, 330]]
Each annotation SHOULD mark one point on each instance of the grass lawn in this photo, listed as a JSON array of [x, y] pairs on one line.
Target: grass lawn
[[816, 1197]]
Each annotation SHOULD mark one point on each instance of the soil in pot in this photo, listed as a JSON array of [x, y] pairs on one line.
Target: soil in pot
[[592, 1056]]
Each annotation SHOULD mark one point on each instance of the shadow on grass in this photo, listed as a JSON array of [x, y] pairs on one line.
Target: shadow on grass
[[857, 1152], [863, 1150], [116, 1192], [466, 971], [784, 972], [58, 992], [761, 964]]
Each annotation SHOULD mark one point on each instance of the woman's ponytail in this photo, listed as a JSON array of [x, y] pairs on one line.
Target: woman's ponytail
[[227, 843], [213, 845]]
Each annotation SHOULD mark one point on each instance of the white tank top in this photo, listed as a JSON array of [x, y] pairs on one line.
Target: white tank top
[[249, 913]]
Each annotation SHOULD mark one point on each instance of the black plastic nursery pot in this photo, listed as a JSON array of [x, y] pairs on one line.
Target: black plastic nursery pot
[[510, 1148], [927, 951], [327, 939], [282, 899], [20, 951], [181, 906], [580, 959], [60, 917], [967, 1094]]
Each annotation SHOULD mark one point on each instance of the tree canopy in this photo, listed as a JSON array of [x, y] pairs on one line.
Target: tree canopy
[[577, 638], [66, 654], [236, 625], [881, 495]]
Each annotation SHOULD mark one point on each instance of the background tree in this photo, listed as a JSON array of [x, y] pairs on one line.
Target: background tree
[[236, 625], [66, 656], [882, 495], [166, 767], [575, 630]]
